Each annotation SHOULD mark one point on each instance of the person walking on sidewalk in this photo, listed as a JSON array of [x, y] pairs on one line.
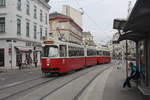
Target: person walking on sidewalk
[[19, 63], [135, 75], [35, 62]]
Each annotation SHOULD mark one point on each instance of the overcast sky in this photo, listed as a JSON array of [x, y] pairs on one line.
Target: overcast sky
[[98, 14]]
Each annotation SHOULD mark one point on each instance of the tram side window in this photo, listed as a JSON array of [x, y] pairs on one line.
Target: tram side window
[[71, 51], [81, 52], [108, 53], [99, 53], [75, 51], [104, 53], [63, 51], [91, 52]]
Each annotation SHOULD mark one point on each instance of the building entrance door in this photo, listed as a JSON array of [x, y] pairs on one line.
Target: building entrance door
[[1, 57]]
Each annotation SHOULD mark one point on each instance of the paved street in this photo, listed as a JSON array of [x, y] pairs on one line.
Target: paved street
[[17, 76], [76, 50], [100, 82]]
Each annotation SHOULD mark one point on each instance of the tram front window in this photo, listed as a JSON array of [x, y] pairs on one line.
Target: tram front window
[[51, 51]]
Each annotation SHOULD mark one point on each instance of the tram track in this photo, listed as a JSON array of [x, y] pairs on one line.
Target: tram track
[[18, 83], [15, 93], [25, 89], [33, 86], [63, 85]]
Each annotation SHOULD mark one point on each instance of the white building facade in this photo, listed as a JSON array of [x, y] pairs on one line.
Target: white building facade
[[23, 26], [75, 14]]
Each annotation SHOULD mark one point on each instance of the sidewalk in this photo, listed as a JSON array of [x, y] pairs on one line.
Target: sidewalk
[[3, 70], [113, 88], [108, 86]]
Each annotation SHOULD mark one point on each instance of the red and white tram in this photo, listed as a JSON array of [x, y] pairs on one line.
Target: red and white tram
[[103, 56], [62, 57]]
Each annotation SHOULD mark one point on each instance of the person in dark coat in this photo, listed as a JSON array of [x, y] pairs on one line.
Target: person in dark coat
[[35, 62], [19, 63]]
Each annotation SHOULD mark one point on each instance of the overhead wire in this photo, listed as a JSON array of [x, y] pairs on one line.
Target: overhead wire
[[90, 18]]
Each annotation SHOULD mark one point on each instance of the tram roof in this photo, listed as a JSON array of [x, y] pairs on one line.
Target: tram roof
[[61, 43]]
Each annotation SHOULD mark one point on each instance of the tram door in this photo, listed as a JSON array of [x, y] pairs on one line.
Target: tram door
[[1, 57]]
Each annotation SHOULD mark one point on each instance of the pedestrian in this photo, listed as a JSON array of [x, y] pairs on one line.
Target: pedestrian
[[135, 75], [35, 62], [19, 63]]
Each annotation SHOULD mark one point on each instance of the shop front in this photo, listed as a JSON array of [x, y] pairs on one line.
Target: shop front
[[28, 55], [13, 51]]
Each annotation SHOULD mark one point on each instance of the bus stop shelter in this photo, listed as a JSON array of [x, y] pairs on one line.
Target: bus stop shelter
[[137, 28]]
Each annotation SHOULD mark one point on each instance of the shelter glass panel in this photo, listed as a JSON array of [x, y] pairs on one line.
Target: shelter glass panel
[[142, 65]]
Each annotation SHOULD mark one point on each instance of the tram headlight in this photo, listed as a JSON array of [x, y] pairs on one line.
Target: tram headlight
[[63, 61], [48, 64]]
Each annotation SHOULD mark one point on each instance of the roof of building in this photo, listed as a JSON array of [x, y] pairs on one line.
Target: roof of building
[[56, 15], [45, 2], [87, 33]]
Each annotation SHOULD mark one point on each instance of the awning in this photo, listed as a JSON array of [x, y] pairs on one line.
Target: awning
[[139, 19], [23, 49], [134, 36]]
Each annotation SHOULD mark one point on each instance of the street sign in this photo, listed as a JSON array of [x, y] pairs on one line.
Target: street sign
[[119, 24], [115, 42]]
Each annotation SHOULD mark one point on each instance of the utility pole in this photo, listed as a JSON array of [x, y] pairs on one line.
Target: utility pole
[[129, 9], [126, 58]]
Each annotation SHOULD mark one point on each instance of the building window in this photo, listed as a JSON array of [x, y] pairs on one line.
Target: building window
[[28, 8], [41, 15], [35, 31], [2, 24], [41, 33], [18, 27], [19, 5], [51, 34], [45, 18], [27, 29], [2, 3], [35, 12], [46, 32]]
